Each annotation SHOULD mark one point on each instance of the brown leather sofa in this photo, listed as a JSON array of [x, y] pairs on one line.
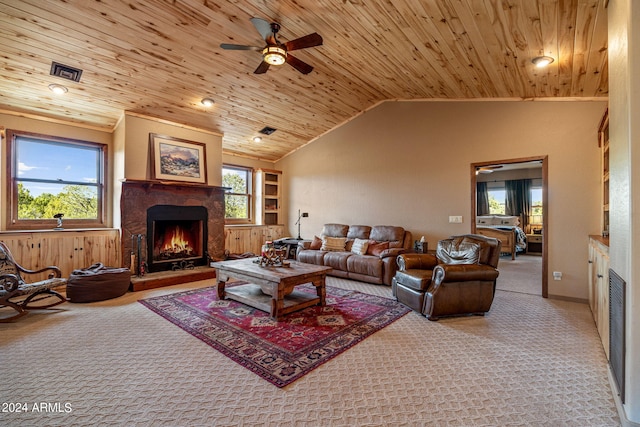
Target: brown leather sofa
[[377, 265], [459, 279]]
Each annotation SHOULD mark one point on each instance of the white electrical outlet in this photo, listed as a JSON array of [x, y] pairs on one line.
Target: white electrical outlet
[[455, 219], [557, 275]]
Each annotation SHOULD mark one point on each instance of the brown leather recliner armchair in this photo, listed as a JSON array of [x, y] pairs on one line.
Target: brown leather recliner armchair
[[459, 279]]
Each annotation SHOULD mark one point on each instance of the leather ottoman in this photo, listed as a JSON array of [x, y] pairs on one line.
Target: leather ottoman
[[97, 283]]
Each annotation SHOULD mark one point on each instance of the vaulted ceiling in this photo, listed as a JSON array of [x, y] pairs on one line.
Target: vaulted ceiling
[[159, 58]]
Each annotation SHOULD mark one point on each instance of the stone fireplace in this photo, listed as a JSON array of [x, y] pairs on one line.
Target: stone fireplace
[[182, 226]]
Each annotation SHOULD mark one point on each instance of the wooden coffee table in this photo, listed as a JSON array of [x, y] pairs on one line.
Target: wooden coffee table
[[271, 289]]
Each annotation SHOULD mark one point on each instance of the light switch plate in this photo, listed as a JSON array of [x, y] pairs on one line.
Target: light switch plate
[[455, 219]]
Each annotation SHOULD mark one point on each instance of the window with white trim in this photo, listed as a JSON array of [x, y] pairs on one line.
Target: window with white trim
[[239, 194]]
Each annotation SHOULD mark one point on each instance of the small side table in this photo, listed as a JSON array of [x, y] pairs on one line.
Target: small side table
[[291, 246], [534, 244]]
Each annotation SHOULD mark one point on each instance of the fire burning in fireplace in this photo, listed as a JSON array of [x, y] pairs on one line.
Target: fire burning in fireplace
[[176, 234], [177, 243], [177, 240]]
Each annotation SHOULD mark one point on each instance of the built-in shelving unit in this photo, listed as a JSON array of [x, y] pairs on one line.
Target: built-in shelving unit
[[269, 188], [603, 143], [599, 246]]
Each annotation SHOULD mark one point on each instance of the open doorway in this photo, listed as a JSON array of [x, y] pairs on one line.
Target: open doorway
[[533, 221]]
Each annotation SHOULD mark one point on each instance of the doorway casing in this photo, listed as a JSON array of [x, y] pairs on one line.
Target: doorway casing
[[544, 160]]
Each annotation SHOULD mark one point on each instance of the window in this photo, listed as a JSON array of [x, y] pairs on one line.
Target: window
[[52, 175], [238, 197], [536, 207], [497, 199]]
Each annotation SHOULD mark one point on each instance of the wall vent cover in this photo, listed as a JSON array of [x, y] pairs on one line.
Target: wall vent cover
[[617, 330], [267, 130], [66, 72]]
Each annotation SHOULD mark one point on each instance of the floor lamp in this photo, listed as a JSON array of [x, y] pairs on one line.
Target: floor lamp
[[301, 215]]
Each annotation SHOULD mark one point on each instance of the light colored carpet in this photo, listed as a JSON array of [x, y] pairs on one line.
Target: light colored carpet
[[529, 362], [523, 274]]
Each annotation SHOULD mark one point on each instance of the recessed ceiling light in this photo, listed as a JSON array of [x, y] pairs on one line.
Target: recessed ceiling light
[[542, 61], [207, 102], [58, 89], [257, 139]]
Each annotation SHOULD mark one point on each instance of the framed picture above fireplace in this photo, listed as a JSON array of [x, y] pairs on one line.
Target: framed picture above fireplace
[[174, 159]]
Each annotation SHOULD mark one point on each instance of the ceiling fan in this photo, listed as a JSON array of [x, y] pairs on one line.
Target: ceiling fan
[[276, 53], [488, 169]]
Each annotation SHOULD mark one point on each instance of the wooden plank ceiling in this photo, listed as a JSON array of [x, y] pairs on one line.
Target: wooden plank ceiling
[[160, 58]]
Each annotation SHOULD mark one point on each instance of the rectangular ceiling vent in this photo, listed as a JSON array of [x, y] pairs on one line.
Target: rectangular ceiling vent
[[66, 72], [267, 130]]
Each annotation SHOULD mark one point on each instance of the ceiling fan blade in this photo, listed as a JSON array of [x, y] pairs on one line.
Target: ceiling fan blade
[[310, 40], [262, 68], [299, 65], [239, 47], [263, 27]]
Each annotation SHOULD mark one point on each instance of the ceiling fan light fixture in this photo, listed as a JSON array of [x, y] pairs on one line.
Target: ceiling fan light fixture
[[542, 61], [274, 55], [207, 102], [58, 89]]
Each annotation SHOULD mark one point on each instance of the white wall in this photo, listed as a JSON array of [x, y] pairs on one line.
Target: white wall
[[408, 164], [138, 161], [624, 160], [117, 154]]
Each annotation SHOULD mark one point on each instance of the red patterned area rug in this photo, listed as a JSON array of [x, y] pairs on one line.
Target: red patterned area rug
[[279, 351]]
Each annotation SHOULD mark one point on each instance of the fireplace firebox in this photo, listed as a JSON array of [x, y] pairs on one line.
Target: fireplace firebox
[[176, 237]]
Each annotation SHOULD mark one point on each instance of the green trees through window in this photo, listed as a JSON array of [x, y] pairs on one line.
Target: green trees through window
[[53, 175], [497, 202], [238, 197], [74, 201]]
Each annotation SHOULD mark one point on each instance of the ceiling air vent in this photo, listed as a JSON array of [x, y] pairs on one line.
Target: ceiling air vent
[[66, 72], [267, 130]]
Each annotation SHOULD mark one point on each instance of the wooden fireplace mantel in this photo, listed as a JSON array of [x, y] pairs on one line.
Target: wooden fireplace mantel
[[172, 184]]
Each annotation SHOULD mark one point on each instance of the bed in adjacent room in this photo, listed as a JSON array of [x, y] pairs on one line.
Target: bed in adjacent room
[[505, 228]]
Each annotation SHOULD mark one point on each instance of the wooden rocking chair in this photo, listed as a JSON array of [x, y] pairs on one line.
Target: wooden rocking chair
[[21, 296]]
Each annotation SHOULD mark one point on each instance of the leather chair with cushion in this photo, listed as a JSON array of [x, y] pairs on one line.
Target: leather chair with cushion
[[459, 279]]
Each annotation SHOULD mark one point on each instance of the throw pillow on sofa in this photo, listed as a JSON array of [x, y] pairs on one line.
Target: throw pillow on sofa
[[376, 248], [316, 244], [333, 243], [360, 246]]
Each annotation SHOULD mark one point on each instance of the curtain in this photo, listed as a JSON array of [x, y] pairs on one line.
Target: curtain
[[518, 200], [482, 199]]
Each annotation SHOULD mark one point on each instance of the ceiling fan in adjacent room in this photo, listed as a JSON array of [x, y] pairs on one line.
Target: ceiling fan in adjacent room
[[276, 53], [488, 169]]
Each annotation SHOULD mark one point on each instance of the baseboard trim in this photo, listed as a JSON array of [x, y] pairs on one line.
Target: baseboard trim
[[570, 299], [624, 421]]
